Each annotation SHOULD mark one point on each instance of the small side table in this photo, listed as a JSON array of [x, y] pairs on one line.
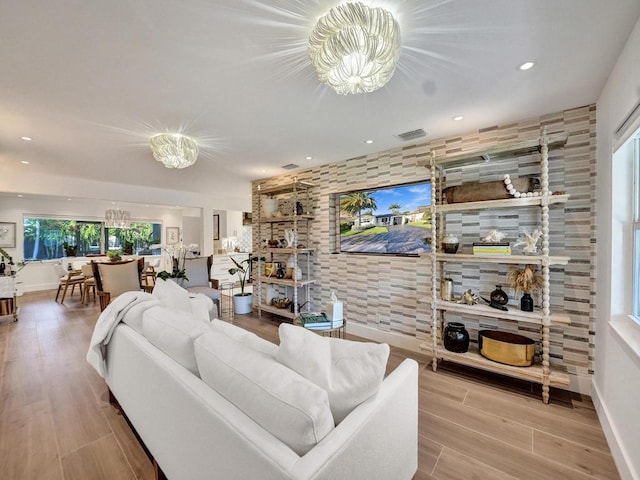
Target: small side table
[[337, 332], [228, 288]]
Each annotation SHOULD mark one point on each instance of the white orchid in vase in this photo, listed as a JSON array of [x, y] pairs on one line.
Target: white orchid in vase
[[177, 254]]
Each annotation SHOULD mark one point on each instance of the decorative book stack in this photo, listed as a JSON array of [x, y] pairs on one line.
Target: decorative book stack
[[319, 321], [491, 248]]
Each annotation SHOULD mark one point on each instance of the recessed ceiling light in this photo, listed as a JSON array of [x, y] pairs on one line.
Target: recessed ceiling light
[[368, 141], [526, 66], [24, 162], [308, 158], [20, 195], [28, 139], [68, 199], [457, 118]]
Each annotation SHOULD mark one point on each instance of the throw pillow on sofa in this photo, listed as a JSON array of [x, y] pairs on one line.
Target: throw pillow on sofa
[[287, 405], [350, 372], [174, 331], [172, 295], [248, 339]]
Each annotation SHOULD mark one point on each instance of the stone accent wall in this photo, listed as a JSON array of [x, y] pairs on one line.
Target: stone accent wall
[[389, 293]]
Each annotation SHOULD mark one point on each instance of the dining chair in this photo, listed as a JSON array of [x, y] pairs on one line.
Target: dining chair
[[115, 278], [69, 278], [198, 273], [89, 284]]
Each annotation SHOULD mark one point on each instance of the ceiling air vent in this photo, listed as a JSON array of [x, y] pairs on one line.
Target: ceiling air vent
[[290, 166], [412, 135]]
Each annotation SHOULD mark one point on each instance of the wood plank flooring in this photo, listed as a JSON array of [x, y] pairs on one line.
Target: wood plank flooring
[[56, 421]]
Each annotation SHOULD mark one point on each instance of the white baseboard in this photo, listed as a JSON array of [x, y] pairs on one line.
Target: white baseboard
[[578, 383], [36, 287], [620, 455], [396, 339]]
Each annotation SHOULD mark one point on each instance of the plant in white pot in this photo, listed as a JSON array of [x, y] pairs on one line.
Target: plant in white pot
[[242, 302]]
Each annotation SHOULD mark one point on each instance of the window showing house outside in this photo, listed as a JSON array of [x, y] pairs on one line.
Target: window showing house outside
[[52, 238]]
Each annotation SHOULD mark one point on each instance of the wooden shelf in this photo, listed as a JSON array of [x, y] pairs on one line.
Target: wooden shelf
[[286, 281], [285, 250], [474, 359], [505, 151], [509, 259], [283, 312], [287, 188], [514, 313], [506, 203], [286, 218]]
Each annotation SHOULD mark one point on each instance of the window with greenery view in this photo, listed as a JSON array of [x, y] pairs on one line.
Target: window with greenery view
[[51, 238], [135, 240]]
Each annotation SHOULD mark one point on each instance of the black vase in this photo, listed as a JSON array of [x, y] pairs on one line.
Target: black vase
[[499, 296], [526, 303], [456, 337]]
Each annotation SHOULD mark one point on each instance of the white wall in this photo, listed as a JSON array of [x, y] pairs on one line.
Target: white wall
[[616, 381]]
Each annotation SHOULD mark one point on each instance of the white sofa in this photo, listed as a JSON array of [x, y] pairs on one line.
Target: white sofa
[[193, 432]]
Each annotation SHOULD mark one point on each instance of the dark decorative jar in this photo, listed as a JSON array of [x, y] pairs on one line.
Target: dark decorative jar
[[499, 296], [456, 337], [526, 303]]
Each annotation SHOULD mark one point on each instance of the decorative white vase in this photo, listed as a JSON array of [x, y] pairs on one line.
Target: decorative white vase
[[269, 207], [242, 304]]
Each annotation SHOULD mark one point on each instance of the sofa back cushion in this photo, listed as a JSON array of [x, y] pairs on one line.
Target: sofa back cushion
[[197, 272], [350, 372], [117, 278], [248, 339], [174, 331], [290, 407]]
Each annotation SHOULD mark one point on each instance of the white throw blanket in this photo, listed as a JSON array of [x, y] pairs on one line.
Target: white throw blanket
[[108, 321]]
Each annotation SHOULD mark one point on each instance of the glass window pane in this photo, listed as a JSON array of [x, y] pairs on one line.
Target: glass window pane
[[135, 240], [636, 271]]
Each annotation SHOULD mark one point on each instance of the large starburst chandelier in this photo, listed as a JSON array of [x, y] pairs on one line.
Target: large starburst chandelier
[[354, 48], [174, 150]]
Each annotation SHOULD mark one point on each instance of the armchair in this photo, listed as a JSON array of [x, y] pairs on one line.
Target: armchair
[[198, 272], [115, 278]]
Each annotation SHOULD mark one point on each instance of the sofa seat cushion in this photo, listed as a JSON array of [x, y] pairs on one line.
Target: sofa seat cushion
[[212, 293], [248, 339], [284, 403], [350, 372], [174, 331]]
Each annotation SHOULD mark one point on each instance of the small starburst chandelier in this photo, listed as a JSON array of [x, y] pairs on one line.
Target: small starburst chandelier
[[116, 218], [354, 48], [174, 150]]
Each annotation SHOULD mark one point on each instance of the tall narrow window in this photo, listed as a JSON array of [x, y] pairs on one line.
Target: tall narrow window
[[636, 227]]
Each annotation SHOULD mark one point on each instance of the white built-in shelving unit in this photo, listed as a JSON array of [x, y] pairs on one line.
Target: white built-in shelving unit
[[543, 317], [272, 228]]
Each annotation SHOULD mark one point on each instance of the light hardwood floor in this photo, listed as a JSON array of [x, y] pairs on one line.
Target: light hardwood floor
[[56, 422]]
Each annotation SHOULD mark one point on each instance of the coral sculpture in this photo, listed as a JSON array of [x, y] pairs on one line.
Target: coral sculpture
[[530, 242]]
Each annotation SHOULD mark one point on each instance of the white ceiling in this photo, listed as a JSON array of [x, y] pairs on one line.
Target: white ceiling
[[91, 81]]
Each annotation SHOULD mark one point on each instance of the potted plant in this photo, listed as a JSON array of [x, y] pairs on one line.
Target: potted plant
[[242, 302], [528, 280], [70, 250], [114, 255]]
